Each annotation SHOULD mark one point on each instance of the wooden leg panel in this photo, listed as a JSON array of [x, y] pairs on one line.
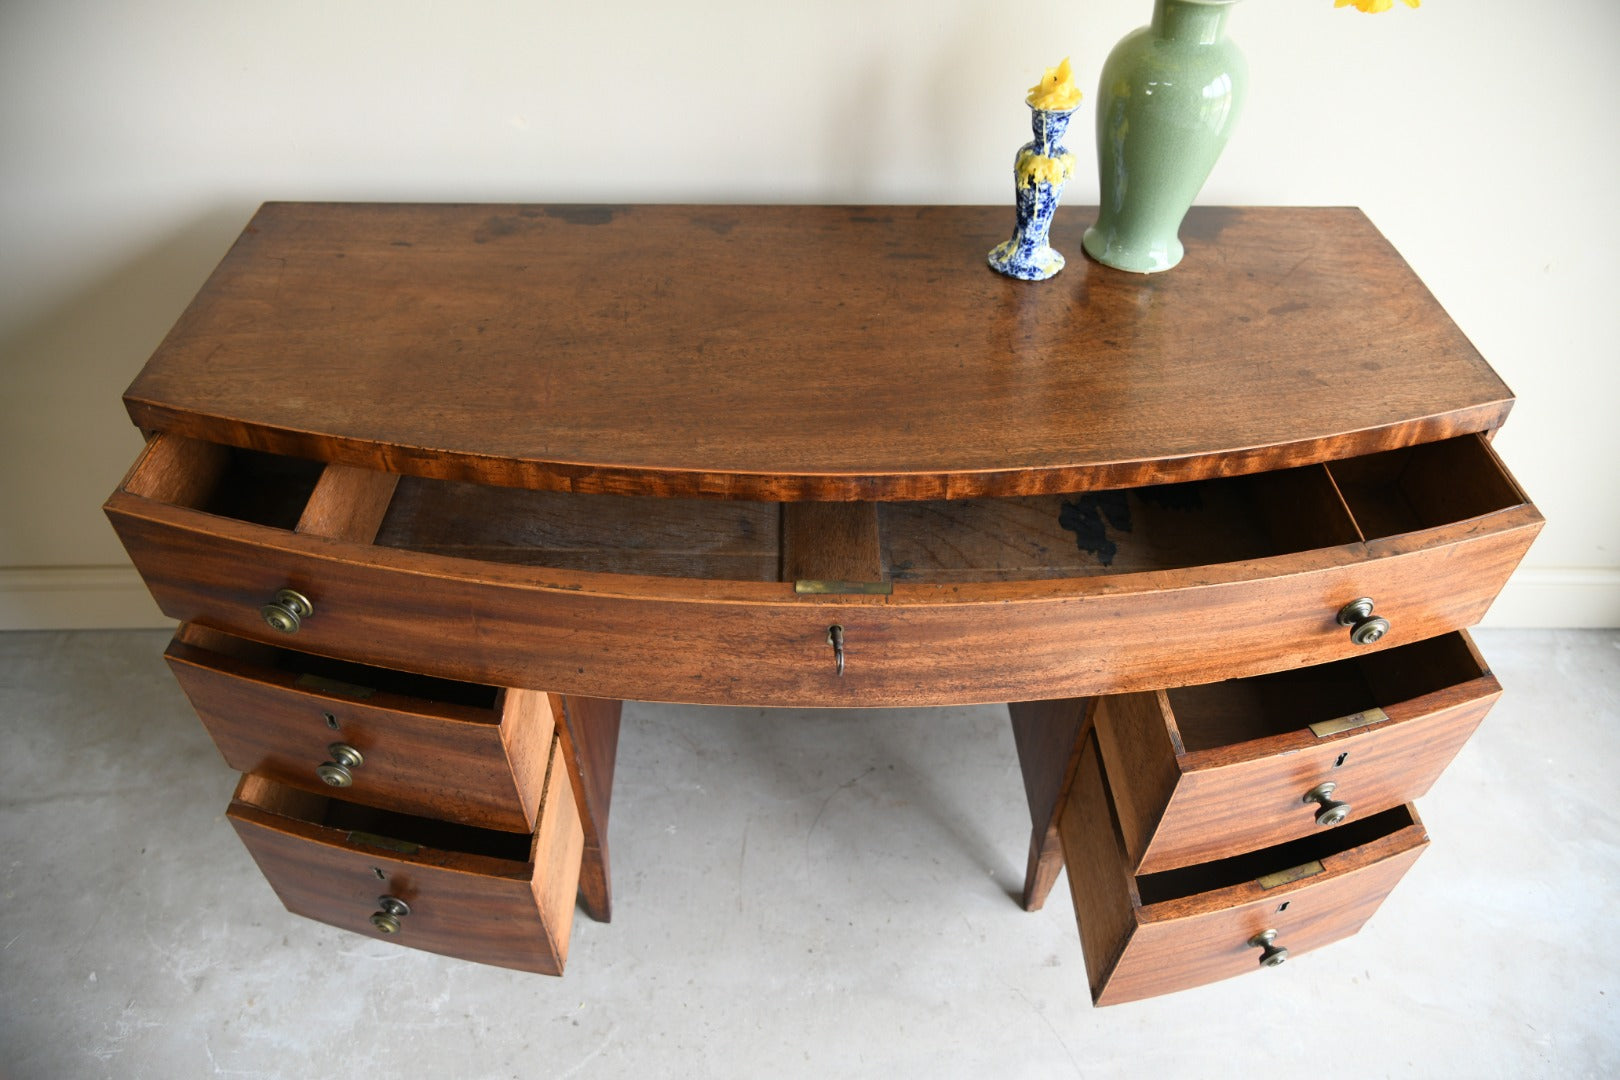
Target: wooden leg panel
[[1048, 736], [589, 728]]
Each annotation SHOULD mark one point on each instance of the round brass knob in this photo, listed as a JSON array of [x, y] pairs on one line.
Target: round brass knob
[[287, 611], [1271, 954], [344, 758], [1331, 812], [1365, 627], [393, 910]]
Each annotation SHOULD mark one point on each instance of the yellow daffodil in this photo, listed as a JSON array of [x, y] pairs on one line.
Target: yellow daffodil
[[1372, 7]]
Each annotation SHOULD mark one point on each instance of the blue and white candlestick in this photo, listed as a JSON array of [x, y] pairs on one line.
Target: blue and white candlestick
[[1040, 171]]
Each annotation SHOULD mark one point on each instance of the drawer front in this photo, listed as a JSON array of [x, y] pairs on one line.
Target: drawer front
[[1187, 934], [611, 635], [1169, 951], [418, 755], [1177, 809], [510, 626], [488, 909]]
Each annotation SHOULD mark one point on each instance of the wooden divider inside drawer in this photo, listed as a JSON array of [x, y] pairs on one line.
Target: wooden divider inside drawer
[[491, 897], [1426, 486], [1205, 772], [1157, 933], [460, 751]]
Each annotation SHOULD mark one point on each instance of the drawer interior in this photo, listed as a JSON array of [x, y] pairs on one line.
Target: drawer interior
[[1189, 881], [1425, 486], [1164, 527], [477, 702], [697, 538], [386, 830], [1221, 714], [265, 489]]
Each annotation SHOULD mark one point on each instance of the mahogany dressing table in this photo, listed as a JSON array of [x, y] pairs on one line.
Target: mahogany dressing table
[[432, 489]]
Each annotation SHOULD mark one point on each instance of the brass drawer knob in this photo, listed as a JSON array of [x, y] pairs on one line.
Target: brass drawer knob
[[1331, 812], [337, 772], [1271, 954], [287, 611], [1365, 627], [392, 910]]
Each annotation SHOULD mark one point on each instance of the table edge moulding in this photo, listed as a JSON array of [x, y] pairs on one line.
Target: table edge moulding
[[433, 489]]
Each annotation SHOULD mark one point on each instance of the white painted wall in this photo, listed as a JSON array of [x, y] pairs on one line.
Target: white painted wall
[[137, 138]]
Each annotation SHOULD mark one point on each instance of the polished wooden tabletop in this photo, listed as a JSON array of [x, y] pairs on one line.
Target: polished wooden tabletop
[[799, 353]]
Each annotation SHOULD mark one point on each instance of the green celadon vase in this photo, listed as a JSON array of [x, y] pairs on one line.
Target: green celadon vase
[[1170, 94]]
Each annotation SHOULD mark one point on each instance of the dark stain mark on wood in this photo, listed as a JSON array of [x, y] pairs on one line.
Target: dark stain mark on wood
[[1085, 518], [582, 215], [715, 223], [494, 228]]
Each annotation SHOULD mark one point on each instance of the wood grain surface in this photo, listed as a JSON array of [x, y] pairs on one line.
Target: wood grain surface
[[831, 542], [806, 353]]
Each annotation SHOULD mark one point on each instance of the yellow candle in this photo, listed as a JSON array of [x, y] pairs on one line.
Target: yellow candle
[[1056, 90]]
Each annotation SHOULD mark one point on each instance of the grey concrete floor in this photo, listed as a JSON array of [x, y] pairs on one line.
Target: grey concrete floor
[[797, 894]]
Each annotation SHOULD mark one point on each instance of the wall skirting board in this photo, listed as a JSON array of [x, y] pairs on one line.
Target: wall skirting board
[[113, 598], [76, 598]]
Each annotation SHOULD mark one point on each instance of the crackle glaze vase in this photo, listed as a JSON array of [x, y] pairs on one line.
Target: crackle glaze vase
[[1168, 98]]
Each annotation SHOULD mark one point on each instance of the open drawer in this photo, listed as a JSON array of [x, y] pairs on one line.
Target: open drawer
[[1200, 773], [1145, 935], [464, 752], [491, 897], [715, 601]]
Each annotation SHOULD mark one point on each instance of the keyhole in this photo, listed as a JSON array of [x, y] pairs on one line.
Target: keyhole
[[380, 875], [1283, 906], [331, 721], [1342, 756]]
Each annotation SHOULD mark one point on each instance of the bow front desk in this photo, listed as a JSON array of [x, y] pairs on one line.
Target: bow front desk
[[432, 489]]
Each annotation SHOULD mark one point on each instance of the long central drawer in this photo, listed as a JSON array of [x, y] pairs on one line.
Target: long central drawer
[[714, 601]]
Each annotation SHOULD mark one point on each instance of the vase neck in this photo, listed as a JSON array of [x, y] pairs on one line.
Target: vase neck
[[1049, 128], [1189, 21]]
